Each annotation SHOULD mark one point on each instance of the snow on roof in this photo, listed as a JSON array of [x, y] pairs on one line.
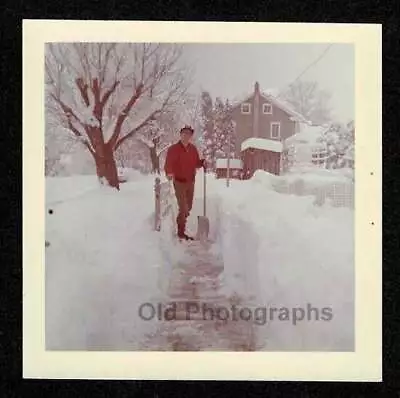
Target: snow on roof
[[233, 163], [262, 143], [241, 98], [307, 135], [272, 95]]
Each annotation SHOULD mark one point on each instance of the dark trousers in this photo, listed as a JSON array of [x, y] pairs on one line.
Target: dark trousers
[[184, 192]]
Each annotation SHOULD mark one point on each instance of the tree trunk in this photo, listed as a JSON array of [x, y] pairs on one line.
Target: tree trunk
[[155, 160], [106, 166]]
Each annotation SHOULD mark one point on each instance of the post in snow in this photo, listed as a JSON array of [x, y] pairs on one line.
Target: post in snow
[[157, 212]]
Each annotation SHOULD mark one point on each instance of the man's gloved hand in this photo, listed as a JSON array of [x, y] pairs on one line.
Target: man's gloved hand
[[204, 164]]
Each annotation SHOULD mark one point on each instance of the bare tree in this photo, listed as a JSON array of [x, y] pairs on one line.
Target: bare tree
[[104, 93], [58, 145], [309, 100], [159, 134], [134, 155], [152, 136]]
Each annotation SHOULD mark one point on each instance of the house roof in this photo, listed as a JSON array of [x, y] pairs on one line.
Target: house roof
[[272, 95], [233, 163], [262, 143], [284, 105]]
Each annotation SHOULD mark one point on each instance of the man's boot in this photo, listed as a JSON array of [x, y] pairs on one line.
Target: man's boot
[[181, 228]]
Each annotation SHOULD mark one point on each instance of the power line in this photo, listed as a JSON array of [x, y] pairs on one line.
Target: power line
[[312, 64]]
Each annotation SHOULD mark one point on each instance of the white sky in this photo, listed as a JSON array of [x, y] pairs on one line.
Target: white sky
[[230, 70]]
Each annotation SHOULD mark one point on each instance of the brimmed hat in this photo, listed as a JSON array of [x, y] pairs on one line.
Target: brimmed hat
[[187, 127]]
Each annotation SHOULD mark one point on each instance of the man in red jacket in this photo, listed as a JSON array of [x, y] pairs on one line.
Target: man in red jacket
[[180, 165]]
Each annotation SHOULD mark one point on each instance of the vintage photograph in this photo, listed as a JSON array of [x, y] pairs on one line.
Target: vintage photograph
[[199, 196]]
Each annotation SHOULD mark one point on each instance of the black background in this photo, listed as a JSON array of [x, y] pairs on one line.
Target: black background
[[12, 12]]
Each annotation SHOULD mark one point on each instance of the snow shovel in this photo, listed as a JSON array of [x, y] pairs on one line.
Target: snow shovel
[[203, 226]]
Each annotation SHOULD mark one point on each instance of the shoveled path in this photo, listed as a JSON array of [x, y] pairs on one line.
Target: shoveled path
[[196, 283]]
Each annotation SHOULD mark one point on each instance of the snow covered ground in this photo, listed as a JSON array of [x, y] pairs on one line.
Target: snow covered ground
[[102, 263], [289, 253], [279, 250]]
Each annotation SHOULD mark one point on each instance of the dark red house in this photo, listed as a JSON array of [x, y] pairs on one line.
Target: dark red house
[[262, 114]]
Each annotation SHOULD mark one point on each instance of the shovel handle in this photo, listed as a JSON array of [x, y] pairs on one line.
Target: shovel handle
[[204, 188]]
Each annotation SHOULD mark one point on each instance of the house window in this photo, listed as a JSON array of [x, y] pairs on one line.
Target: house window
[[267, 109], [319, 156], [275, 130], [246, 108]]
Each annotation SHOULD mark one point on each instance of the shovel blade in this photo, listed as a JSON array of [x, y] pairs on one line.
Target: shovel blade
[[203, 227]]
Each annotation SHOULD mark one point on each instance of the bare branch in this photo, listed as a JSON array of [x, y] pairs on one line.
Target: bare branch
[[160, 151], [67, 110], [123, 115], [80, 136], [136, 129], [108, 93], [143, 63], [83, 88], [149, 143], [96, 90], [106, 60], [152, 116]]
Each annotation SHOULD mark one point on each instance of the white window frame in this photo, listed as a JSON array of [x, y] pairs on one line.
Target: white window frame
[[249, 105], [270, 105], [279, 129]]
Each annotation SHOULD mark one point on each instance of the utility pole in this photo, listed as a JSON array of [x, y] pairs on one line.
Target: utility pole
[[228, 168], [228, 162]]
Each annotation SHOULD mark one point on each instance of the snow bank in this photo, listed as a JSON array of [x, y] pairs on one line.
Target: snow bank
[[305, 180], [283, 251], [316, 177], [59, 189], [333, 186], [268, 180], [103, 262], [130, 174]]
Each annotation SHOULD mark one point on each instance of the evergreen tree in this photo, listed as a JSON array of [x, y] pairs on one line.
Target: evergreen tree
[[224, 130], [218, 138], [230, 129], [207, 140], [220, 134], [339, 139]]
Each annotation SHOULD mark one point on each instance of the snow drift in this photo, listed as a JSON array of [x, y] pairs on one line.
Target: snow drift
[[102, 263], [283, 251]]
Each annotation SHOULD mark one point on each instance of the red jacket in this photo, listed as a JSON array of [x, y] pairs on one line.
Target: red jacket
[[182, 162]]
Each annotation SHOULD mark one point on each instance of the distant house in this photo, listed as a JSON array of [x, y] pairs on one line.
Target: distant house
[[306, 149], [263, 115], [235, 168], [260, 154]]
